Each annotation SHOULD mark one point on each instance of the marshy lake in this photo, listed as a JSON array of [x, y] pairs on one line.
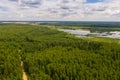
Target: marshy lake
[[81, 33]]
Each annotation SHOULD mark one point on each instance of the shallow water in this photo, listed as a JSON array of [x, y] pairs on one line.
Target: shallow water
[[87, 34]]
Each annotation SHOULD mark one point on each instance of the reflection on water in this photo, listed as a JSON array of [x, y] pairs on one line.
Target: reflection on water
[[87, 34]]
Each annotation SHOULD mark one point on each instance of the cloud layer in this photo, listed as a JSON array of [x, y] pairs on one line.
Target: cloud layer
[[60, 10]]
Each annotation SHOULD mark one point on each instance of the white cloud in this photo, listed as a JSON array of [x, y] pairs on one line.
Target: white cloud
[[59, 10]]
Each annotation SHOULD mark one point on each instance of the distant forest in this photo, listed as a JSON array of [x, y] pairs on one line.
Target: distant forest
[[85, 24]]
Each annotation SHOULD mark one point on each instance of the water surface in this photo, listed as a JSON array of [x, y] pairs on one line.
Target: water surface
[[88, 34]]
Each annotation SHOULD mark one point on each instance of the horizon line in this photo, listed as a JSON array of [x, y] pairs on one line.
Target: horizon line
[[56, 21]]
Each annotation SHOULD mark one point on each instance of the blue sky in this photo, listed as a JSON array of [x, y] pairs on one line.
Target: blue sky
[[83, 10]]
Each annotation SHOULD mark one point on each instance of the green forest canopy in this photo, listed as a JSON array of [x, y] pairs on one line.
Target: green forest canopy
[[49, 54]]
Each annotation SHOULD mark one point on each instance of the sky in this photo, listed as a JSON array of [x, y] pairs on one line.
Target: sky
[[77, 10]]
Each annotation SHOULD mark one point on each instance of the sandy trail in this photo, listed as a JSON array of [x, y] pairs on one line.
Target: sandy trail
[[23, 69], [24, 73]]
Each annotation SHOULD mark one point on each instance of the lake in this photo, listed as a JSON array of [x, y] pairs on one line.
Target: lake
[[88, 34]]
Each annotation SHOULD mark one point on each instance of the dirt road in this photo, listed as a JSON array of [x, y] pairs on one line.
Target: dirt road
[[24, 73], [23, 69]]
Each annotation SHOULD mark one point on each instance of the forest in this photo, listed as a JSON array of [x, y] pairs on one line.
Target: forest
[[49, 54], [91, 25]]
